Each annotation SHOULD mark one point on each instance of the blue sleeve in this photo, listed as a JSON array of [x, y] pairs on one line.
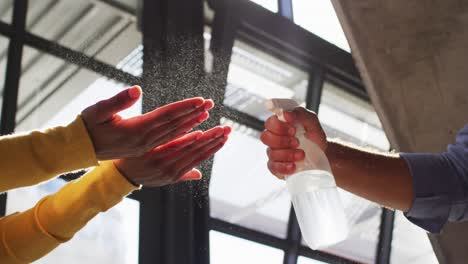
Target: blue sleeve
[[440, 185]]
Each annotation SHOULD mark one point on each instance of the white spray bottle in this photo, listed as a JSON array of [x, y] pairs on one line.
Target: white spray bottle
[[313, 191]]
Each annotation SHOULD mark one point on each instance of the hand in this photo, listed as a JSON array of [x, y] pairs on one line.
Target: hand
[[114, 137], [282, 144], [174, 161]]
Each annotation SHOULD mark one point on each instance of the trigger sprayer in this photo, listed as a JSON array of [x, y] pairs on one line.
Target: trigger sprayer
[[313, 191]]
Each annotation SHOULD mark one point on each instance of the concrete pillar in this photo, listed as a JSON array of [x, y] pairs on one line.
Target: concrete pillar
[[412, 56]]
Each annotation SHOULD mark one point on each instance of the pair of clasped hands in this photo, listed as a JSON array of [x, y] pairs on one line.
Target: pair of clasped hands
[[159, 147]]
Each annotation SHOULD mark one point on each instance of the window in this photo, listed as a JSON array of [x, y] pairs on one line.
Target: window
[[85, 26], [319, 17], [226, 249], [3, 62], [352, 119], [271, 5], [255, 76], [304, 260], [6, 11], [49, 85], [410, 243]]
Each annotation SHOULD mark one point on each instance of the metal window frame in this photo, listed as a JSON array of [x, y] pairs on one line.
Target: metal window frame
[[285, 8], [276, 35]]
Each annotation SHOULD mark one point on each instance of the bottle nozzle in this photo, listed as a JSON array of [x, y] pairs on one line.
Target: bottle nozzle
[[278, 106]]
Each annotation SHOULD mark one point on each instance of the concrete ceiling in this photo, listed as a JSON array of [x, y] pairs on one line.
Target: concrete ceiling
[[412, 58]]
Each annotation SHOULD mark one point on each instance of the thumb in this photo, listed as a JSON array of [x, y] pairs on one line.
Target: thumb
[[312, 126], [306, 118], [106, 109]]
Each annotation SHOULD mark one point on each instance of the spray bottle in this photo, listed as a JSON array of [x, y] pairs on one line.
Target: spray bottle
[[313, 191]]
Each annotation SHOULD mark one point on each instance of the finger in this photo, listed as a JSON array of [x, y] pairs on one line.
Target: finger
[[280, 169], [104, 110], [156, 138], [191, 175], [201, 158], [289, 116], [308, 119], [209, 104], [285, 155], [227, 130], [191, 152], [214, 132], [176, 144], [184, 118], [177, 163], [190, 156], [167, 113], [278, 142], [278, 127], [209, 138]]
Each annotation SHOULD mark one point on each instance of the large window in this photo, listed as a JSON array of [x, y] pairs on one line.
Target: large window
[[319, 17]]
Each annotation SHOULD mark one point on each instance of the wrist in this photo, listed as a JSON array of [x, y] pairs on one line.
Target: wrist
[[124, 174]]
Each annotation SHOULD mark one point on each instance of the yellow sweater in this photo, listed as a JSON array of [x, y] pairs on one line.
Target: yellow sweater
[[38, 156]]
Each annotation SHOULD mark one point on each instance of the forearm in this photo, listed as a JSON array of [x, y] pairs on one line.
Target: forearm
[[384, 179], [30, 235], [28, 159], [67, 211]]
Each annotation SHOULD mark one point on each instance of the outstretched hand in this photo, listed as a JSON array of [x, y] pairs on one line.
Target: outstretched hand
[[114, 137], [282, 144], [174, 161]]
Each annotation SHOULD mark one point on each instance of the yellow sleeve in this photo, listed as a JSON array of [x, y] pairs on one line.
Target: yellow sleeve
[[28, 236], [31, 158]]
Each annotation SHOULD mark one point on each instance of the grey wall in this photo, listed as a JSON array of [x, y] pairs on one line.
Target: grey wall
[[413, 56]]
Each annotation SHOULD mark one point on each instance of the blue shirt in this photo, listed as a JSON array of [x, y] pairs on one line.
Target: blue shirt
[[440, 183]]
